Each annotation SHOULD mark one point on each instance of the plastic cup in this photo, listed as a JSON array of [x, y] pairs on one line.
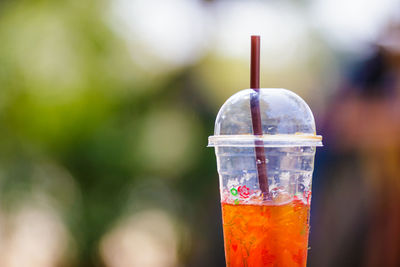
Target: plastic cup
[[261, 231]]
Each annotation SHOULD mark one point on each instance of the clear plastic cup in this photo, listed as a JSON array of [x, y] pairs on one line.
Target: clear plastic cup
[[260, 231]]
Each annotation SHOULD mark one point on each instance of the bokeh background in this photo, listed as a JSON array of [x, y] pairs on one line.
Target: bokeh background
[[106, 106]]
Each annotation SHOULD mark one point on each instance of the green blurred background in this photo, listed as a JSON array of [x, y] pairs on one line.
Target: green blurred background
[[106, 106]]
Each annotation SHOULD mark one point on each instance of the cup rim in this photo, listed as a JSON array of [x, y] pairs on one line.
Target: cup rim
[[266, 140]]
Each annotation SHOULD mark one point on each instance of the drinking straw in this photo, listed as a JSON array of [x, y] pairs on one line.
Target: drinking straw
[[256, 116]]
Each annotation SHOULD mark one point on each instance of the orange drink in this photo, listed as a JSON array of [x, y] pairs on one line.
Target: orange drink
[[266, 234]]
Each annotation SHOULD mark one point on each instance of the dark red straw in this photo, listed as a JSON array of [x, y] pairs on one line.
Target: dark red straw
[[255, 115]]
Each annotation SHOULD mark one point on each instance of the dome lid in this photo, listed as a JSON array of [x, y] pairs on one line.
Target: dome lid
[[286, 120]]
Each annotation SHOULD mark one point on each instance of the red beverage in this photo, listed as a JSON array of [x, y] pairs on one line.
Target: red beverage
[[259, 235]]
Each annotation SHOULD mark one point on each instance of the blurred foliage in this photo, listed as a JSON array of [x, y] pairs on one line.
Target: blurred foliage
[[84, 129], [98, 152]]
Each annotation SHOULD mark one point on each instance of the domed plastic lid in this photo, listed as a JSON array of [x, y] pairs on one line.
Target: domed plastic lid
[[285, 117]]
